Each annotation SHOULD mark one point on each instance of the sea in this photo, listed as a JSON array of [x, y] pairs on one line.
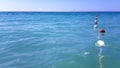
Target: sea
[[59, 40]]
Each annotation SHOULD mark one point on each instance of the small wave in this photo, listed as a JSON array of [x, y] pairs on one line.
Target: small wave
[[13, 41]]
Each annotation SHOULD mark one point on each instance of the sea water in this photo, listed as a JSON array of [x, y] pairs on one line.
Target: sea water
[[58, 40]]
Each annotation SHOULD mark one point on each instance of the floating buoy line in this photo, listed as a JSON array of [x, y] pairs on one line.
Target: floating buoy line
[[99, 43]]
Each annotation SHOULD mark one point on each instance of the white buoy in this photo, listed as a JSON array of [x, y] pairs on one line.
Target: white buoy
[[96, 20], [95, 26], [100, 43]]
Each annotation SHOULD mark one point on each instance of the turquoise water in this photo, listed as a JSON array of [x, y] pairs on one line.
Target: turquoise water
[[58, 40]]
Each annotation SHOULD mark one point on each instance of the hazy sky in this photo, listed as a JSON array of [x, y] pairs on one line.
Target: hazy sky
[[59, 5]]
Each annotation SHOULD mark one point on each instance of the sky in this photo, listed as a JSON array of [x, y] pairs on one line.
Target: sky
[[59, 5]]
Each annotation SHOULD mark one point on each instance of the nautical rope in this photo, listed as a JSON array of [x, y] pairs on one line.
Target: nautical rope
[[100, 57]]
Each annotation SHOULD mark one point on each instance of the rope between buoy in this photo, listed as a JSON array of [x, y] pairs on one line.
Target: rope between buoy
[[100, 57]]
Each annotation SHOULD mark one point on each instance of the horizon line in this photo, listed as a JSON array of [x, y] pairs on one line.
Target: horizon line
[[59, 11]]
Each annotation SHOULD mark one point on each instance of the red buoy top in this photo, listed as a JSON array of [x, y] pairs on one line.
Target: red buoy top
[[102, 31]]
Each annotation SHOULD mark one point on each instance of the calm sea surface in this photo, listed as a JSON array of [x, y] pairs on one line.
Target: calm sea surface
[[58, 40]]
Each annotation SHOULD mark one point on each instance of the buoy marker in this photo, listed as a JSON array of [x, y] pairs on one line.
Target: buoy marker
[[102, 31], [100, 43]]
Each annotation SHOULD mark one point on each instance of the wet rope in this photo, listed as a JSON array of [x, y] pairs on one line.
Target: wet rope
[[100, 57]]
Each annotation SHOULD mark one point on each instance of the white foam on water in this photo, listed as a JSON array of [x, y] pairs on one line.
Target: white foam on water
[[86, 53]]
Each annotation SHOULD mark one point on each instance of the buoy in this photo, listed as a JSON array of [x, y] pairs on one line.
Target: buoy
[[100, 43], [95, 22], [96, 18], [95, 26], [102, 31]]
